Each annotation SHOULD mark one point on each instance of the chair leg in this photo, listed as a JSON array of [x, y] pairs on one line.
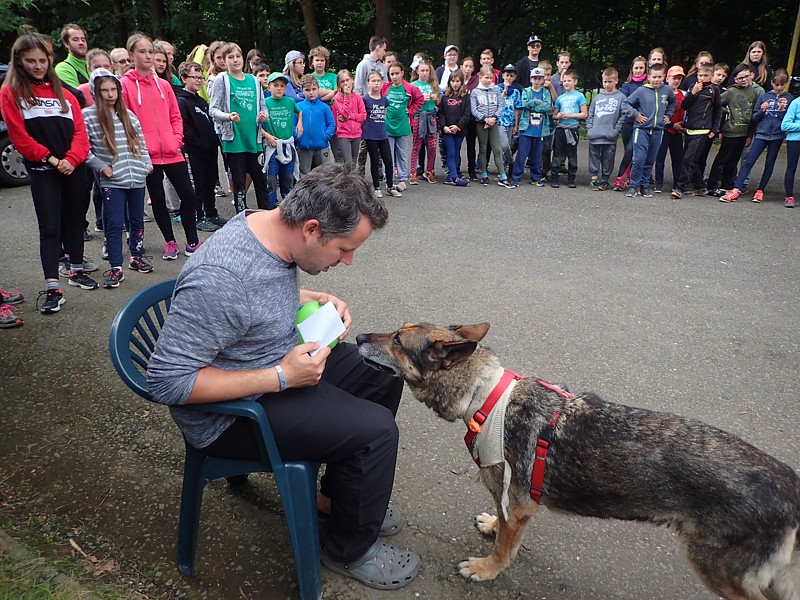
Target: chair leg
[[191, 500], [300, 505]]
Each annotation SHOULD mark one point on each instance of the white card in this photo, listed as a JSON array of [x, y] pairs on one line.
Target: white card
[[324, 326]]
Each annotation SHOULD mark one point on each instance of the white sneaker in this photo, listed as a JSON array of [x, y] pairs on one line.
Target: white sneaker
[[394, 192], [401, 186], [378, 193]]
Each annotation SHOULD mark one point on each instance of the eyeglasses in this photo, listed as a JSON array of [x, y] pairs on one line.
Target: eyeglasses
[[124, 61], [741, 77], [198, 77]]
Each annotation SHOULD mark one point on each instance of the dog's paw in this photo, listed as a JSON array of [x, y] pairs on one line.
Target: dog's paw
[[478, 569], [486, 523]]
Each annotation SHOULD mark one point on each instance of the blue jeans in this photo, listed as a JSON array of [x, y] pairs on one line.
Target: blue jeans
[[452, 144], [119, 203], [756, 148], [279, 174], [672, 142], [399, 146], [530, 149], [645, 150]]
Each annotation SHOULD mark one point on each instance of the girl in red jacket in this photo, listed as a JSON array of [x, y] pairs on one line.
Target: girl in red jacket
[[152, 100], [46, 126], [349, 114]]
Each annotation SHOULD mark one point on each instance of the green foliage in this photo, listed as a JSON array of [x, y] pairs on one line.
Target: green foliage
[[599, 33]]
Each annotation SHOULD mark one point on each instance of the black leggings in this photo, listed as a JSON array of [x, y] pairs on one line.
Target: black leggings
[[60, 204], [380, 150], [205, 174], [178, 174], [241, 165], [347, 422]]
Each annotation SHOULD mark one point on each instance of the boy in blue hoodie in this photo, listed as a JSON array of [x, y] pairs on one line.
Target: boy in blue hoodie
[[652, 107], [318, 127], [603, 126]]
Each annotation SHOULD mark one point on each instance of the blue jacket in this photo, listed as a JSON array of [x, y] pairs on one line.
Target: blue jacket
[[791, 121], [531, 104], [768, 123], [654, 103], [318, 125]]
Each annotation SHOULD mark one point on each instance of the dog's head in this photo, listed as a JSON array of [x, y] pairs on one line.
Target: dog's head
[[422, 354]]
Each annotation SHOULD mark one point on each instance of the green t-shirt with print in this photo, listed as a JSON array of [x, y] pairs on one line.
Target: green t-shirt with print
[[326, 82], [281, 117], [426, 88], [397, 123], [244, 100]]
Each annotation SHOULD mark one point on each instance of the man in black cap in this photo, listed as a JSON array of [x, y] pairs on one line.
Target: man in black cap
[[527, 63]]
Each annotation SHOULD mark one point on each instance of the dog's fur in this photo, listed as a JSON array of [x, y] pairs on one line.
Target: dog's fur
[[735, 508]]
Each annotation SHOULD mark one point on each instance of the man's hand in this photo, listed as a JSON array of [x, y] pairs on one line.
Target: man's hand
[[300, 368]]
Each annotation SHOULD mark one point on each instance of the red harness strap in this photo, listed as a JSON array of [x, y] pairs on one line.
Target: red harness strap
[[480, 416], [543, 443]]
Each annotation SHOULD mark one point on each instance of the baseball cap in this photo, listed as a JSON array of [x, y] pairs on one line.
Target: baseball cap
[[534, 38], [277, 75], [509, 68], [676, 70], [537, 72], [450, 47]]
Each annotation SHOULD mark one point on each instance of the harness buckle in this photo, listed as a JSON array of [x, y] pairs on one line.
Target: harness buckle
[[476, 422]]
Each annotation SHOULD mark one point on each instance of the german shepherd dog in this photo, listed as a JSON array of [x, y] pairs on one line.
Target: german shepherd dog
[[734, 508]]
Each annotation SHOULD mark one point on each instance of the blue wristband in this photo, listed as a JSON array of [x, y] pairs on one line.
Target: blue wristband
[[281, 378]]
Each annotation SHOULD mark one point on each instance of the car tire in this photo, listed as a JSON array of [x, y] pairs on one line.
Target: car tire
[[12, 166]]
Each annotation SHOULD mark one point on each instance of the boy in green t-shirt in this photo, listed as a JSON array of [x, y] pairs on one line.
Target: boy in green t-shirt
[[320, 57], [280, 155], [238, 105]]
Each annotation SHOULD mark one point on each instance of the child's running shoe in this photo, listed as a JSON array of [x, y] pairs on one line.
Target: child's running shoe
[[378, 193], [394, 192], [138, 263], [190, 249], [788, 202], [9, 317], [646, 192], [503, 182], [448, 180], [7, 297], [631, 193], [461, 182], [413, 180], [429, 177], [170, 251], [53, 299], [81, 280], [758, 197], [484, 180], [113, 277], [619, 184], [731, 196]]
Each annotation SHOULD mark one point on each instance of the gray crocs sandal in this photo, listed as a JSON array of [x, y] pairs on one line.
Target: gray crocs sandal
[[382, 567]]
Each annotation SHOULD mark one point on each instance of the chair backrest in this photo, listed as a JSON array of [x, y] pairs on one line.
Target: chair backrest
[[134, 333]]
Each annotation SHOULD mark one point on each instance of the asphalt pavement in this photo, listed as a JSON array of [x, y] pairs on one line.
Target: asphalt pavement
[[687, 306]]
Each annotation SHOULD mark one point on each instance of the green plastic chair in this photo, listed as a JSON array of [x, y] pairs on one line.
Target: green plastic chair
[[131, 341]]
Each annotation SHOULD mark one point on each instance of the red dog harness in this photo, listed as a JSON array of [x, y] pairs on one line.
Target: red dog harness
[[542, 443]]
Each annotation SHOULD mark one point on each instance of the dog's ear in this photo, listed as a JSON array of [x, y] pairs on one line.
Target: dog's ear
[[452, 353], [474, 333]]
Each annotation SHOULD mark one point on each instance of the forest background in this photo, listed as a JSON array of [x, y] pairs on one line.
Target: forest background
[[598, 33]]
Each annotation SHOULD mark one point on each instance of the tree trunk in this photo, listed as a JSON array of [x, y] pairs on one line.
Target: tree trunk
[[158, 16], [383, 19], [310, 23], [454, 20], [121, 35]]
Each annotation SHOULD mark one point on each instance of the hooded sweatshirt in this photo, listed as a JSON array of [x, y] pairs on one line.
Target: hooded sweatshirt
[[654, 103], [605, 118], [486, 102], [153, 102], [42, 129], [768, 122], [738, 103], [791, 122], [128, 171], [351, 109], [318, 124], [364, 68], [198, 129], [703, 111]]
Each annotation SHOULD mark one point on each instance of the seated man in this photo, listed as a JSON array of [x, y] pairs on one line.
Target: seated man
[[231, 334]]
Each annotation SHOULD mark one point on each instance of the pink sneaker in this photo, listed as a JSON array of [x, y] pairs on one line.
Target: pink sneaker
[[189, 249], [170, 251]]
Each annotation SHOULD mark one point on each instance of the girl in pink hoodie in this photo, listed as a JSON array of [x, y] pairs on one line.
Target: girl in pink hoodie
[[349, 114], [152, 100]]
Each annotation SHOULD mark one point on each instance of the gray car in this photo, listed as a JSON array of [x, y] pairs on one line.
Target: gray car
[[12, 166]]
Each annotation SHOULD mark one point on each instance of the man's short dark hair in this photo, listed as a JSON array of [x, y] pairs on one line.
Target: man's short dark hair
[[377, 40], [336, 196], [66, 29]]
